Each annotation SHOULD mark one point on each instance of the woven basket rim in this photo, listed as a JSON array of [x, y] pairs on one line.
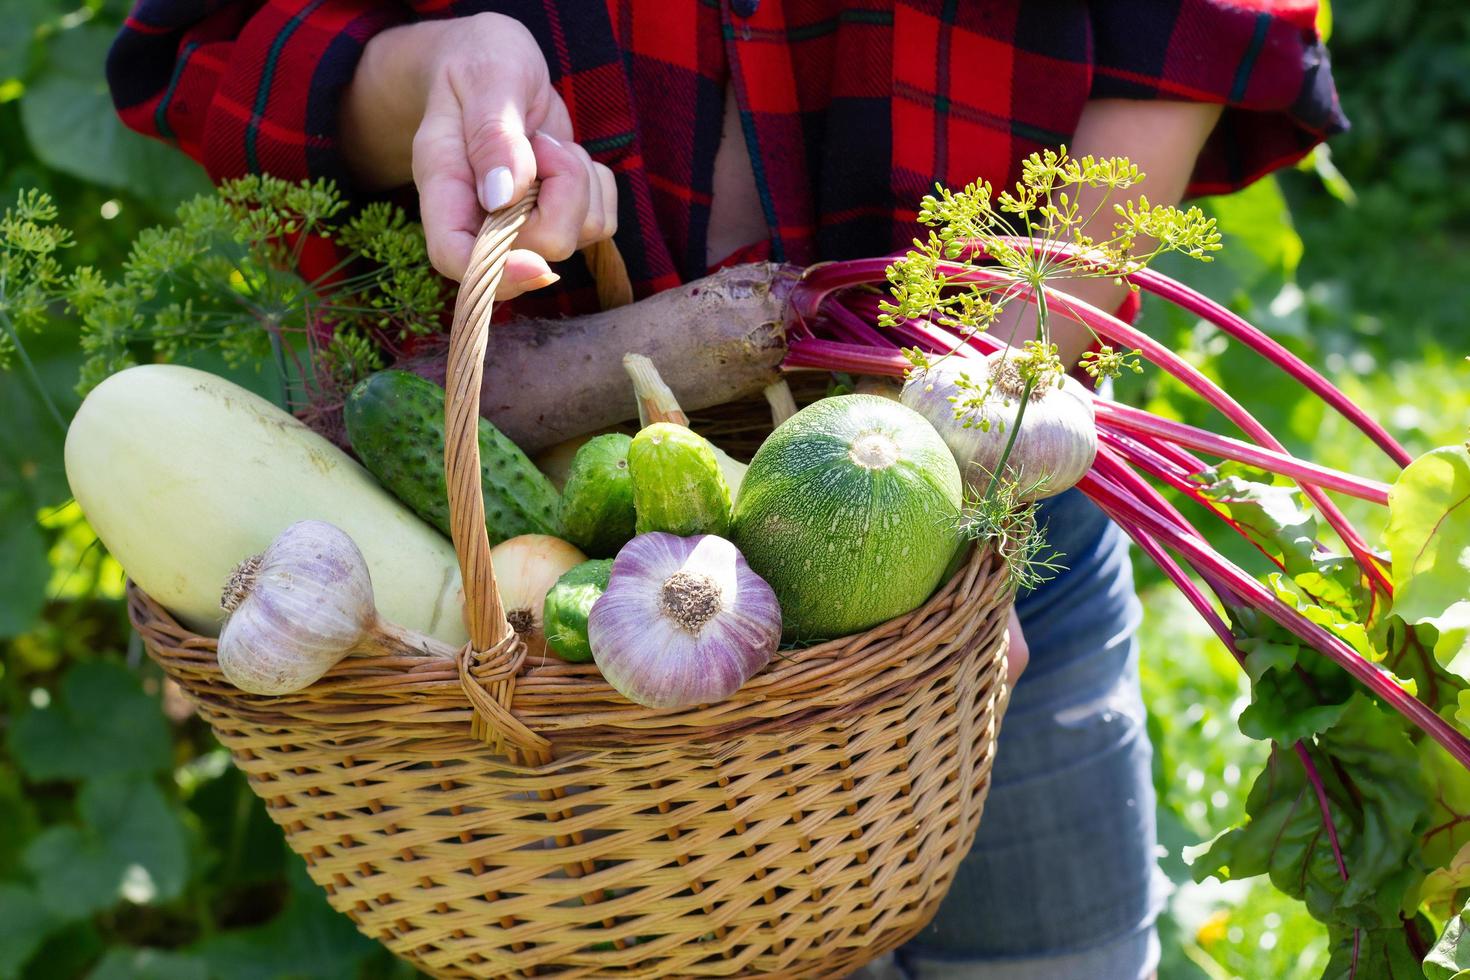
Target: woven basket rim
[[568, 701]]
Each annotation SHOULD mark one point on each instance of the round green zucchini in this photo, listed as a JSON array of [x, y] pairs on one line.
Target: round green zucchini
[[851, 511]]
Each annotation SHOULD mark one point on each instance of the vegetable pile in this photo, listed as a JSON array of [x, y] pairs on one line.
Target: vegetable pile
[[678, 570], [1358, 657]]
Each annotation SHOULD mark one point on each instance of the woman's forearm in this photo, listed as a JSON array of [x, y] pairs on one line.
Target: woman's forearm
[[1164, 139]]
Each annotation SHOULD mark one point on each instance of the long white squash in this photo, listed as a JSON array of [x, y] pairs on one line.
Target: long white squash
[[184, 474]]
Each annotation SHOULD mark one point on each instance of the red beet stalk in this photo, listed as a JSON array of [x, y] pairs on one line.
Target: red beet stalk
[[1136, 516], [825, 279]]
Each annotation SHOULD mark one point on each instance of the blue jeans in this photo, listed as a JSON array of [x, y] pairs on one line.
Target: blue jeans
[[1062, 881]]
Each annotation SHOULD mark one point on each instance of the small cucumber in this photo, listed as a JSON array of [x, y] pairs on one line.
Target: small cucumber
[[395, 422], [568, 604], [597, 504], [677, 483]]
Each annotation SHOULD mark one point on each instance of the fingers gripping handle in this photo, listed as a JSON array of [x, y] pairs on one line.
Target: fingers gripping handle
[[468, 339]]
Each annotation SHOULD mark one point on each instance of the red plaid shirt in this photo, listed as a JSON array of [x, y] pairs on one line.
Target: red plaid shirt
[[851, 110]]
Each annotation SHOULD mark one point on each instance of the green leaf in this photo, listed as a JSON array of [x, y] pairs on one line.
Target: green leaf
[[1428, 537], [131, 846], [148, 964], [1296, 692], [99, 722], [24, 925], [1284, 707], [1260, 238], [1443, 885], [69, 951], [1445, 840], [18, 817], [25, 570], [31, 441], [308, 939], [1382, 954], [1274, 517], [20, 20], [1450, 957], [71, 126], [1375, 819]]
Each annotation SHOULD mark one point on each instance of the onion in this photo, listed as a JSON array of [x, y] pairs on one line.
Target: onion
[[300, 607], [526, 567], [683, 621], [1057, 441]]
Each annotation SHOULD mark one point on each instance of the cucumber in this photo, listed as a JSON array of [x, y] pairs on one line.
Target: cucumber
[[677, 483], [597, 504], [395, 422], [568, 604]]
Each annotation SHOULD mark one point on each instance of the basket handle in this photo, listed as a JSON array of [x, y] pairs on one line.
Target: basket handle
[[468, 339]]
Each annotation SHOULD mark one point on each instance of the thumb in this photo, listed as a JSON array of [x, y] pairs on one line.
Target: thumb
[[499, 151]]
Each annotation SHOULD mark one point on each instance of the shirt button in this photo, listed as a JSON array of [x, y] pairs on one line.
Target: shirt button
[[744, 8]]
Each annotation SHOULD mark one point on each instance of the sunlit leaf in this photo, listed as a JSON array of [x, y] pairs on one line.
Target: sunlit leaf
[[1445, 838], [1274, 517], [1450, 957], [1428, 536]]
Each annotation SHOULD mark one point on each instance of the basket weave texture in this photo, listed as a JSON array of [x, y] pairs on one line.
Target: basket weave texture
[[493, 817]]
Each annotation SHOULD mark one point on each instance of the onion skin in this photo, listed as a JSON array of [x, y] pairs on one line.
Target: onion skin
[[1054, 449], [526, 567], [652, 660]]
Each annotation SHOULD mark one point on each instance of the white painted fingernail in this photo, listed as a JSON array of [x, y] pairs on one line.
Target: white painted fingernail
[[499, 186], [548, 137]]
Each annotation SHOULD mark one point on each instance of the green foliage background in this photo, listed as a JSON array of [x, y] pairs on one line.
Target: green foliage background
[[129, 847]]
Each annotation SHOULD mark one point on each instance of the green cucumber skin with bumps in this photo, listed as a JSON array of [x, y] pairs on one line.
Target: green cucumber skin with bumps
[[678, 485], [568, 604], [850, 511], [395, 422], [597, 502]]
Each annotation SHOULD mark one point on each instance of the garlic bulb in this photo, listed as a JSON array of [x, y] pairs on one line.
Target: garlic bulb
[[300, 607], [683, 621], [526, 567], [1057, 441]]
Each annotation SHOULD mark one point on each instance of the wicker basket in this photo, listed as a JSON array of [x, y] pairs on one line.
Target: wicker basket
[[493, 817]]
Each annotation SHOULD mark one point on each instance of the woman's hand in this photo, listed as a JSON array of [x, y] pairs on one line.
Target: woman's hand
[[1018, 655], [465, 109]]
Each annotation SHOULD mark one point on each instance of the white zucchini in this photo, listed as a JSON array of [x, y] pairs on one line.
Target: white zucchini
[[184, 474]]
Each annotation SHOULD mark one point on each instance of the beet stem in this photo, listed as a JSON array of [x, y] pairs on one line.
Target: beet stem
[[1303, 471], [1202, 605], [1135, 514]]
